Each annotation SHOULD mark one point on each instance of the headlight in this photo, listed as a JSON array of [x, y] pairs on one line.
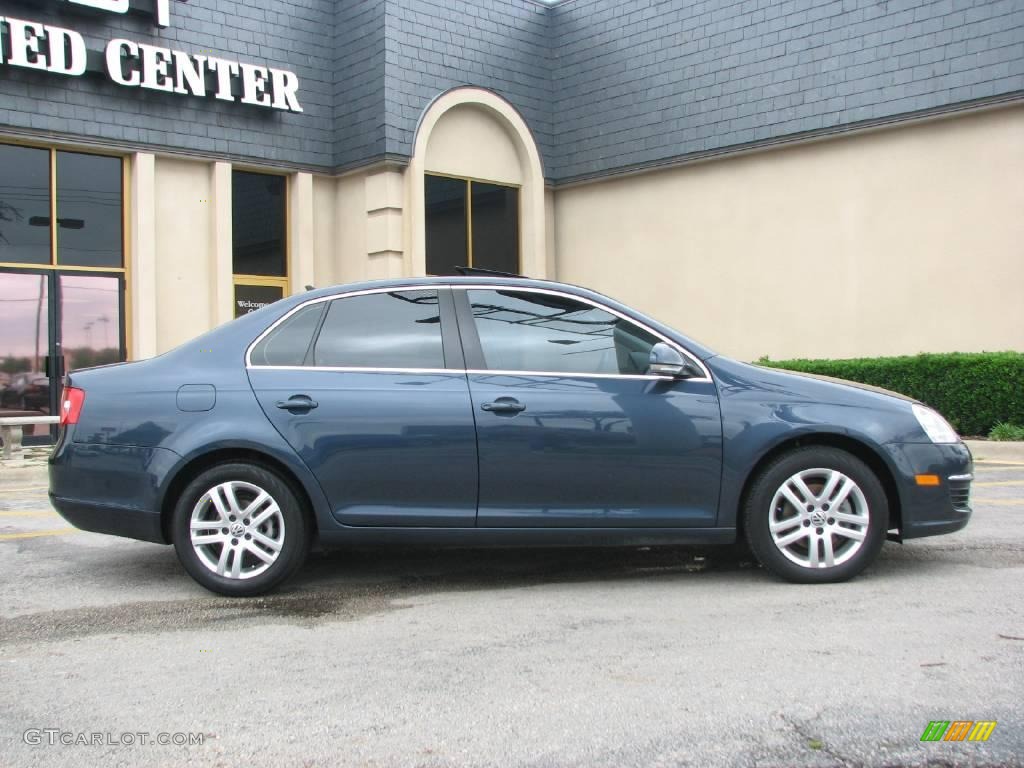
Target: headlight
[[936, 427]]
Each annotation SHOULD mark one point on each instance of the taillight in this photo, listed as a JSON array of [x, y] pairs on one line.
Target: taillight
[[71, 405]]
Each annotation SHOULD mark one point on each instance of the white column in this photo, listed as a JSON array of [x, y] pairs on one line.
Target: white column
[[302, 269], [142, 229], [222, 291], [384, 234]]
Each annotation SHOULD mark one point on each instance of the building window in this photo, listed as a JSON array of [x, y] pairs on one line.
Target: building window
[[62, 272], [259, 239], [471, 223]]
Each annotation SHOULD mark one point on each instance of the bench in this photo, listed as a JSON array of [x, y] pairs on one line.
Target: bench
[[11, 430]]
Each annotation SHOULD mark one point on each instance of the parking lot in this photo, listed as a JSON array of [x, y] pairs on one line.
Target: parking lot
[[577, 658]]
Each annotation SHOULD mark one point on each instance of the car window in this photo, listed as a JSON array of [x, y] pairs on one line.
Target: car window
[[288, 343], [529, 331], [398, 329]]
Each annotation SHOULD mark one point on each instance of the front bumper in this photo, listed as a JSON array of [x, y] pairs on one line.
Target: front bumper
[[932, 510]]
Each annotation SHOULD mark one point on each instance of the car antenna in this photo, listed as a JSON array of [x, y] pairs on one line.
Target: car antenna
[[470, 271]]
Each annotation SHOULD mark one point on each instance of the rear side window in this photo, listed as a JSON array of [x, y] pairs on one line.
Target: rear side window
[[527, 331], [399, 329], [289, 342]]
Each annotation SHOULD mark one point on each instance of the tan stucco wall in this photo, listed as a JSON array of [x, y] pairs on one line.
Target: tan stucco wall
[[469, 141], [895, 241], [184, 222]]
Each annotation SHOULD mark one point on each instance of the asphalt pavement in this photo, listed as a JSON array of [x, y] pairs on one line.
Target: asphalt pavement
[[661, 657]]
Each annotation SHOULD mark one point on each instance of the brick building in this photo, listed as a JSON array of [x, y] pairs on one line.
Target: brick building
[[782, 177]]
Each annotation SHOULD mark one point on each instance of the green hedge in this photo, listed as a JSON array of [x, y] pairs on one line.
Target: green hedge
[[973, 391]]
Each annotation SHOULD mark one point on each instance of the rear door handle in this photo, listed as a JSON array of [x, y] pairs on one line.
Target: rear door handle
[[297, 403], [504, 405]]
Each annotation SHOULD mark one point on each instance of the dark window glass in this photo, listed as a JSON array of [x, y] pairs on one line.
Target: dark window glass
[[495, 227], [445, 201], [288, 343], [525, 331], [24, 205], [401, 329], [90, 223], [249, 298], [258, 224]]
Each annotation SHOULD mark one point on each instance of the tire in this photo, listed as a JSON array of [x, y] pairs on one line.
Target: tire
[[796, 542], [232, 553]]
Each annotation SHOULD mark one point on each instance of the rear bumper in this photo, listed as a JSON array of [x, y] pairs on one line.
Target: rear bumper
[[110, 489], [118, 521], [932, 510]]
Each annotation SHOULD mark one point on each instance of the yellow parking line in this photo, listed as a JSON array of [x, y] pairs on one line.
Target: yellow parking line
[[36, 534], [29, 513], [1004, 463], [29, 489], [995, 483], [999, 502]]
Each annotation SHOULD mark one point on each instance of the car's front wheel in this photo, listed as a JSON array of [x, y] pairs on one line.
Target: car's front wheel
[[239, 530], [815, 515]]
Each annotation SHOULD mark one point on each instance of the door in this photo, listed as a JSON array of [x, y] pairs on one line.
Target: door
[[370, 390], [571, 431], [54, 322]]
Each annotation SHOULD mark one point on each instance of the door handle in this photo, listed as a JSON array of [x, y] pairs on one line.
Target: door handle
[[504, 405], [297, 403]]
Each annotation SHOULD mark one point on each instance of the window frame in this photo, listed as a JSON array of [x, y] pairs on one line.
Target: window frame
[[450, 343], [476, 361], [469, 181]]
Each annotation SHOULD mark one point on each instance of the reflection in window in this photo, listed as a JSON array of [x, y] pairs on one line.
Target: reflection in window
[[401, 329], [454, 208], [526, 331], [89, 215], [90, 319], [24, 205], [258, 224], [289, 342]]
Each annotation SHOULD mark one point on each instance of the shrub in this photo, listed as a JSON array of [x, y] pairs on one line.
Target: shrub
[[974, 391], [1004, 431]]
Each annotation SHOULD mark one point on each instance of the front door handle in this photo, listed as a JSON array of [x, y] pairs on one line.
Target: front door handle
[[504, 405], [297, 403]]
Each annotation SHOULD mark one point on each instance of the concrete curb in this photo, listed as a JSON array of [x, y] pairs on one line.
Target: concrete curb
[[996, 450]]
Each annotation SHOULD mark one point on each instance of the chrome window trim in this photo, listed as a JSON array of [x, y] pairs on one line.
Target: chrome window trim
[[706, 378], [552, 292]]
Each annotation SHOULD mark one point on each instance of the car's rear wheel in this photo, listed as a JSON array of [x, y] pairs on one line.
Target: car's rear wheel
[[815, 515], [239, 530]]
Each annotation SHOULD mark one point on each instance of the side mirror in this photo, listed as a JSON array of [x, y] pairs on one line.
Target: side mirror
[[667, 361]]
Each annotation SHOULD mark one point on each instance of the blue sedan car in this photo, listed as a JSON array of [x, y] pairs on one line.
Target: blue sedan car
[[480, 411]]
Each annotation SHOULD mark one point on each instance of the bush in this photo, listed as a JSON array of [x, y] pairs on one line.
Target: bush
[[974, 391], [1004, 431]]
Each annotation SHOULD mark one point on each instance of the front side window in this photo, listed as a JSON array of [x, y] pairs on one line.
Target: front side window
[[399, 329], [528, 331]]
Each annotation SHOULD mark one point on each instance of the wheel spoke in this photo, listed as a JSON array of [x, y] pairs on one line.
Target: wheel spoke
[[812, 552], [203, 539], [785, 525], [791, 538], [849, 533], [218, 501], [266, 541], [845, 488], [207, 525], [830, 558], [792, 498], [255, 504], [266, 557], [830, 485], [222, 563], [270, 510], [236, 564], [802, 489], [229, 492]]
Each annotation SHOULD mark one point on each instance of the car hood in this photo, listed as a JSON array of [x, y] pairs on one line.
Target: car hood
[[854, 384]]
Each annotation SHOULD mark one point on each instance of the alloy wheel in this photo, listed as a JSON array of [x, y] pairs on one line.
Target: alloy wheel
[[237, 530], [819, 518]]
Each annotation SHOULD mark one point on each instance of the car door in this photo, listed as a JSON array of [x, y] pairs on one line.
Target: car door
[[571, 430], [370, 390]]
